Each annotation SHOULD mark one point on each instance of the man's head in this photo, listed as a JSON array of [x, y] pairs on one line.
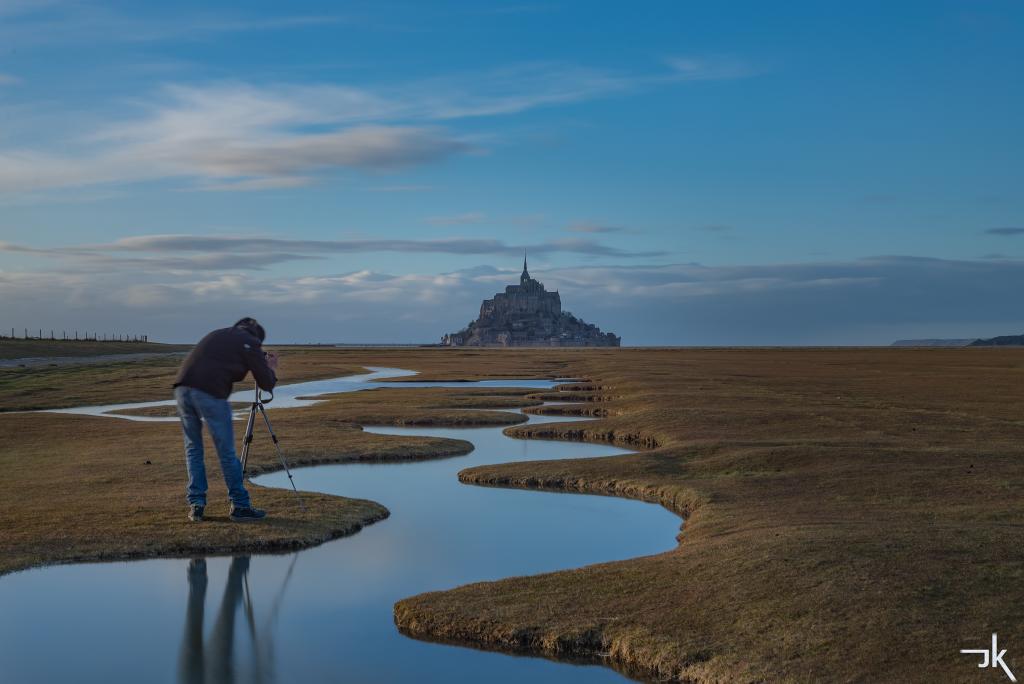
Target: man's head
[[251, 326]]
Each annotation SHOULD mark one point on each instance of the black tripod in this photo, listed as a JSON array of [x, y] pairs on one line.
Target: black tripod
[[257, 405]]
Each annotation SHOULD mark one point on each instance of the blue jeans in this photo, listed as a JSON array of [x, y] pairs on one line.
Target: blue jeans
[[194, 407]]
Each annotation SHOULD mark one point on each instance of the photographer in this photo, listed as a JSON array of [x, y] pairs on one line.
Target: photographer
[[201, 389]]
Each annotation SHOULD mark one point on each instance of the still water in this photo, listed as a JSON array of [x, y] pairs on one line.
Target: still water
[[325, 614]]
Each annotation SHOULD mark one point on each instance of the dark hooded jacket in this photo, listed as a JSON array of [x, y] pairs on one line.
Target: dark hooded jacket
[[223, 358]]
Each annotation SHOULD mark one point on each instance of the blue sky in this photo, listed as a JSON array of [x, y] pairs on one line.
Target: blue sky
[[684, 173]]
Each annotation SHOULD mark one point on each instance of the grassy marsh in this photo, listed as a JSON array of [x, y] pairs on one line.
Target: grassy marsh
[[90, 488], [17, 349], [851, 514]]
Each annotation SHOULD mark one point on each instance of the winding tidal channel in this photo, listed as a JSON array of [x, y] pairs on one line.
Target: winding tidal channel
[[325, 614]]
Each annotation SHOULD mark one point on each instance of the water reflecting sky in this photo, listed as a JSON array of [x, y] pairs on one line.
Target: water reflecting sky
[[325, 614]]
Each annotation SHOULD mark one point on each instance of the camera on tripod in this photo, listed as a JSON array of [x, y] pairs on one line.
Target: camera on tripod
[[257, 407]]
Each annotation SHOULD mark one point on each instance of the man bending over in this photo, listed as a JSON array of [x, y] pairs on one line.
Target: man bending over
[[201, 389]]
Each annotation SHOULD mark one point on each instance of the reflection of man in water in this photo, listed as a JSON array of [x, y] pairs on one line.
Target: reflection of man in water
[[212, 661]]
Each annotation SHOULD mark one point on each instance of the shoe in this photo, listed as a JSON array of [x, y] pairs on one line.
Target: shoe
[[195, 512], [247, 514]]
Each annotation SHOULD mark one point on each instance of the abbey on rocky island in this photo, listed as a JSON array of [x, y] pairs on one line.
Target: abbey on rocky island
[[527, 315]]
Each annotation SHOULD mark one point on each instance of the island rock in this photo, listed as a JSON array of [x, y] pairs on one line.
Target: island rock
[[527, 315]]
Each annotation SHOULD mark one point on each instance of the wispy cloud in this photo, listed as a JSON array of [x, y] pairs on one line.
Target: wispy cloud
[[400, 188], [104, 259], [179, 252], [457, 219], [241, 136], [1005, 231], [49, 22], [696, 68], [14, 8], [229, 137], [258, 184], [8, 79], [587, 227]]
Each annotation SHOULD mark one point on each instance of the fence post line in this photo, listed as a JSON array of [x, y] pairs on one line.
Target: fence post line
[[86, 336]]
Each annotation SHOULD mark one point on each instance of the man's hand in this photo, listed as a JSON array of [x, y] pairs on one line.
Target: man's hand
[[272, 360]]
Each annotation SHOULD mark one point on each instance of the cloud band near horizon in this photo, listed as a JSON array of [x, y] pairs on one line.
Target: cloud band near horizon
[[866, 301], [248, 253]]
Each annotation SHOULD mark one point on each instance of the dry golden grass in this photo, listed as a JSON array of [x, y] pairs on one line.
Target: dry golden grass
[[852, 515], [81, 488], [43, 387], [88, 488], [18, 349]]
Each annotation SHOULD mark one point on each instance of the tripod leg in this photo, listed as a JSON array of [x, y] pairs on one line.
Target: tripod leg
[[280, 456], [247, 439]]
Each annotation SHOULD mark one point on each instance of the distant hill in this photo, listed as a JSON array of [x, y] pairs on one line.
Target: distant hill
[[936, 343], [1001, 341]]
